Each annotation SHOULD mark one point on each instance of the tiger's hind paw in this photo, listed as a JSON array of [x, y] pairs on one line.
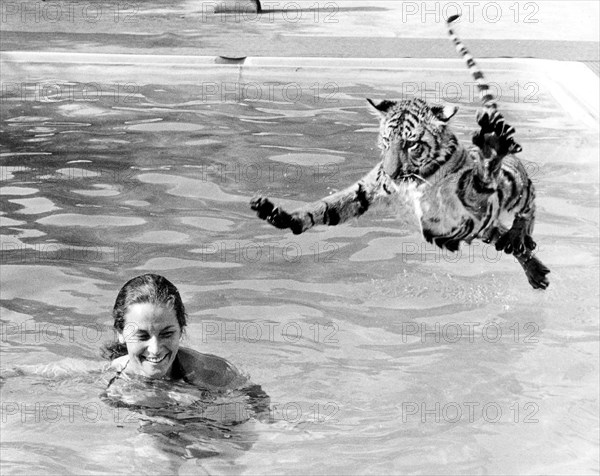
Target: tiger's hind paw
[[516, 241], [536, 272], [265, 210]]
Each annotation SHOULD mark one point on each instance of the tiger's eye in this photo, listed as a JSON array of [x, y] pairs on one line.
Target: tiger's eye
[[415, 147]]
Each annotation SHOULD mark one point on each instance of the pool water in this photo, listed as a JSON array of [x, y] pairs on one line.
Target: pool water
[[380, 353]]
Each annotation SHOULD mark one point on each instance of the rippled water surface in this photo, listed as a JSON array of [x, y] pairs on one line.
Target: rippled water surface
[[380, 354]]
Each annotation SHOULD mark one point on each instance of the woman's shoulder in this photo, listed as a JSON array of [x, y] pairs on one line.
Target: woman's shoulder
[[210, 370], [119, 363]]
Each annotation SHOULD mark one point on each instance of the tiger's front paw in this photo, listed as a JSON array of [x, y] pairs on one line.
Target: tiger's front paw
[[495, 135], [265, 210], [515, 241]]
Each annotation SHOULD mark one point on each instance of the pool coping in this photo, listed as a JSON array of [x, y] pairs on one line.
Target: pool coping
[[256, 61]]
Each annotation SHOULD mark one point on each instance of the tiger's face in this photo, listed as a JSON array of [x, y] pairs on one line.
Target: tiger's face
[[412, 136]]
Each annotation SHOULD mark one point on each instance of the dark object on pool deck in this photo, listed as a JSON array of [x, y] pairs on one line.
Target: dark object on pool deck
[[233, 6], [230, 60]]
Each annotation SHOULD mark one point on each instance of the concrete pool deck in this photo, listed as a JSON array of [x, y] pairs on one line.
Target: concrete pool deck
[[301, 28]]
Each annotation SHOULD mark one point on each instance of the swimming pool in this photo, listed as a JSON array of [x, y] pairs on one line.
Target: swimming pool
[[380, 353]]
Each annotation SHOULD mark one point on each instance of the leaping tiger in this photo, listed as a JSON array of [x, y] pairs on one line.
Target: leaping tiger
[[459, 193]]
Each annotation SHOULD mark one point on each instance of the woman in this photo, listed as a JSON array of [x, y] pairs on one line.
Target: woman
[[150, 318]]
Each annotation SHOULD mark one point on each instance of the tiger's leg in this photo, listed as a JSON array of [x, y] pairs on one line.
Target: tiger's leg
[[518, 238], [535, 270], [332, 210], [521, 204], [495, 139]]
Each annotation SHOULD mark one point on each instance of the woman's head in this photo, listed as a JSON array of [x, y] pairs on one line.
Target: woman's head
[[149, 317], [147, 288]]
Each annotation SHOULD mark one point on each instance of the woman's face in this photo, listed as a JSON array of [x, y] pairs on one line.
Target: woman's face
[[151, 333]]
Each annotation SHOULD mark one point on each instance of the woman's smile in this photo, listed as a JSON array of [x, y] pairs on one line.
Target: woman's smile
[[154, 360]]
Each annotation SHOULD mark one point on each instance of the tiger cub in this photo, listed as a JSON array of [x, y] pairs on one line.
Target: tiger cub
[[459, 193]]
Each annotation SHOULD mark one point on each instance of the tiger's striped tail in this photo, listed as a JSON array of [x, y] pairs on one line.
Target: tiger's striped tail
[[490, 106], [487, 99]]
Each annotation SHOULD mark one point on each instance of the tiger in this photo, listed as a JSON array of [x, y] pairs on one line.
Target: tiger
[[459, 193]]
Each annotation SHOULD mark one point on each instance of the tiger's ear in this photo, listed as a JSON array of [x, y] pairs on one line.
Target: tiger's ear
[[381, 107], [444, 113]]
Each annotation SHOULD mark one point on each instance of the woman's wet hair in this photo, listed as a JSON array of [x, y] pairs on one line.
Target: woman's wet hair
[[147, 288]]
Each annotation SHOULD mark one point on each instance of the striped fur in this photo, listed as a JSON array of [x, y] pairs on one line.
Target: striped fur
[[459, 193]]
